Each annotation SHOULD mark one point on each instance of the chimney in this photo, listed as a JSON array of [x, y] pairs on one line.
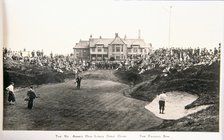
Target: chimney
[[90, 37], [100, 37], [116, 34], [125, 37]]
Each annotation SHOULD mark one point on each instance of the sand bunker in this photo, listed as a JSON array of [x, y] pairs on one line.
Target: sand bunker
[[175, 103]]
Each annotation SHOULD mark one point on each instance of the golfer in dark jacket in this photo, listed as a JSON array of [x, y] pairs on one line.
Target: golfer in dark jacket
[[78, 81], [31, 96]]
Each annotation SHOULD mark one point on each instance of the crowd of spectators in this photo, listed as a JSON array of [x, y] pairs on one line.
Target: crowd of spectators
[[59, 63], [168, 59], [173, 59]]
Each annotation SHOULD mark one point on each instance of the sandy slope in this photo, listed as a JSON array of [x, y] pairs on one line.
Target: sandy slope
[[175, 103]]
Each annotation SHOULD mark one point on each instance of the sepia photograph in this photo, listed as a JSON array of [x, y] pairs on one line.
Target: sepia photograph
[[111, 69]]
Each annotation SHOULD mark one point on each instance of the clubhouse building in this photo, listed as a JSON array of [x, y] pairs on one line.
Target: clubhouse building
[[117, 48]]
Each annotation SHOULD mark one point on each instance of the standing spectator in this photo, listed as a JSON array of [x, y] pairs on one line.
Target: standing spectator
[[162, 99], [33, 53], [31, 96], [78, 81], [11, 97]]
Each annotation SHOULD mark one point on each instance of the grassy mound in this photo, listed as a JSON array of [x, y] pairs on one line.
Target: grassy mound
[[24, 75], [129, 76], [132, 76], [200, 80], [100, 75]]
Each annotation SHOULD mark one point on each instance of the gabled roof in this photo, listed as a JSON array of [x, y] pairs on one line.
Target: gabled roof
[[139, 42], [100, 41], [104, 41], [82, 44], [118, 40], [108, 41]]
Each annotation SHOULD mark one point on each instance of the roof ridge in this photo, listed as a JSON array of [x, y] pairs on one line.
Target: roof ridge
[[119, 38]]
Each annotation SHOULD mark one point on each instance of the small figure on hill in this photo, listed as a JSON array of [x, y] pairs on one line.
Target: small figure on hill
[[78, 81], [162, 99], [31, 95], [11, 96]]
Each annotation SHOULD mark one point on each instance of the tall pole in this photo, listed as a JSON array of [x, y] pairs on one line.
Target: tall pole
[[139, 34], [169, 27]]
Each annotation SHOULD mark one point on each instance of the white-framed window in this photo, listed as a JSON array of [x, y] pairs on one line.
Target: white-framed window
[[99, 49], [93, 49]]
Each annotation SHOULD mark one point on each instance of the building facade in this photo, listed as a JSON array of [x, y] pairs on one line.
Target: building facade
[[117, 48]]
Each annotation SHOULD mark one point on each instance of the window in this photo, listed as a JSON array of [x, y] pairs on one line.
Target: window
[[113, 48], [122, 48], [93, 49], [118, 49], [105, 49], [135, 50], [129, 50], [99, 49]]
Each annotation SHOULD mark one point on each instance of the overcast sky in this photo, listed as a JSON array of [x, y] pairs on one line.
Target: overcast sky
[[56, 25]]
